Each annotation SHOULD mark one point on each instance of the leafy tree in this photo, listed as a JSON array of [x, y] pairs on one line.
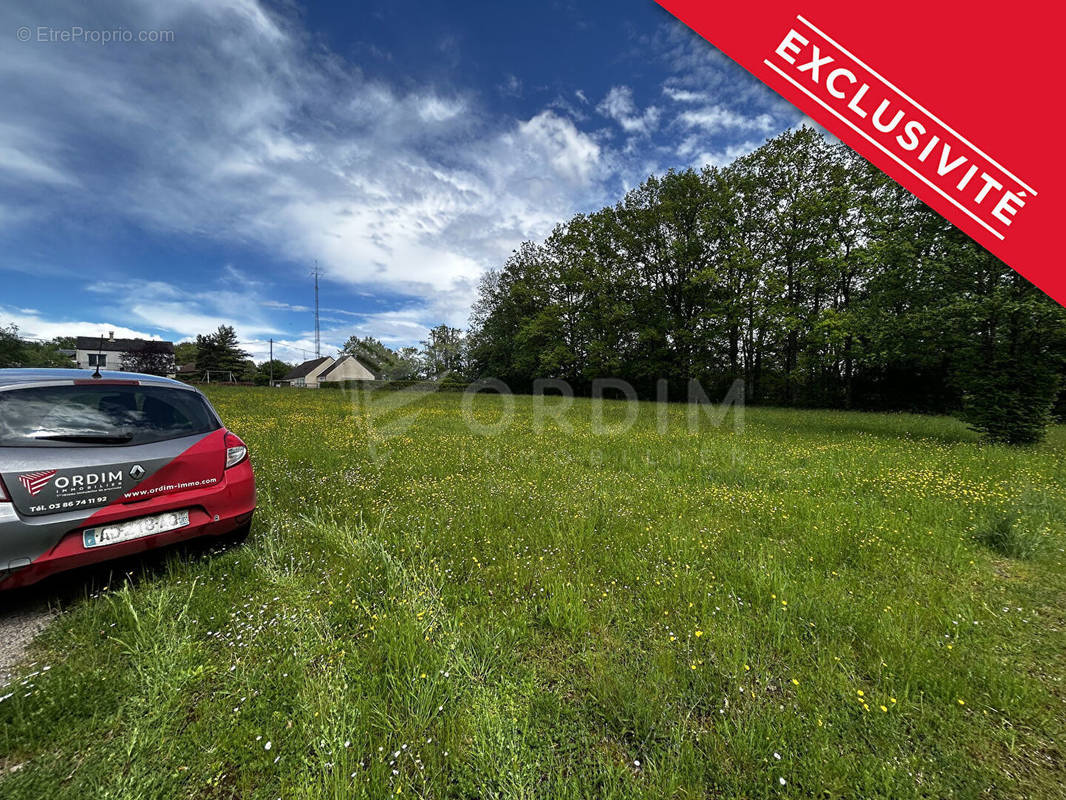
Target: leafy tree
[[408, 365], [185, 353], [153, 358], [263, 371], [443, 351], [221, 352], [506, 342], [12, 348]]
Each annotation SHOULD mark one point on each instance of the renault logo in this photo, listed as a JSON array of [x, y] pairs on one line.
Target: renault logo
[[136, 472]]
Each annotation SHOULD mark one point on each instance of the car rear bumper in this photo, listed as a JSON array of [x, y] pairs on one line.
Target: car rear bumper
[[222, 509]]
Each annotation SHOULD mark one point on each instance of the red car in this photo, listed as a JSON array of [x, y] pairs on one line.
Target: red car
[[94, 466]]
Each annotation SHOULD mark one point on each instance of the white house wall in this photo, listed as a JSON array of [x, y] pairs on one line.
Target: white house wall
[[114, 359], [349, 370]]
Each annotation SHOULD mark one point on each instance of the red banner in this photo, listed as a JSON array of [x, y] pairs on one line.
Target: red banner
[[954, 102]]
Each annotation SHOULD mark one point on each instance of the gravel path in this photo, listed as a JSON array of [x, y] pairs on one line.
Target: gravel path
[[20, 621]]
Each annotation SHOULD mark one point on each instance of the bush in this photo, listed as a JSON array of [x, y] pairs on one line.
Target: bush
[[453, 382], [1009, 407]]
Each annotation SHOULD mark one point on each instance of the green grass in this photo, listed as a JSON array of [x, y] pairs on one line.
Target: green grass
[[858, 605]]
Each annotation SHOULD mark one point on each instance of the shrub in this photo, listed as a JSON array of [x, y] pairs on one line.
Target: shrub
[[1009, 407]]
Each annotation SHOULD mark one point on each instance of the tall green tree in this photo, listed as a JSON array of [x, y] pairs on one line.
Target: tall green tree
[[12, 348], [185, 353], [221, 352], [1009, 343], [444, 351]]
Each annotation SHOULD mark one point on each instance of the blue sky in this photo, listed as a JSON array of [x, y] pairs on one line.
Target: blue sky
[[161, 189]]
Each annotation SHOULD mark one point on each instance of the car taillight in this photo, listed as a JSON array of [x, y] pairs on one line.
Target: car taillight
[[236, 451]]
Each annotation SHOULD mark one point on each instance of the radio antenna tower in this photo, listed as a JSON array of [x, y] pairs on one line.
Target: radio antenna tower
[[318, 337]]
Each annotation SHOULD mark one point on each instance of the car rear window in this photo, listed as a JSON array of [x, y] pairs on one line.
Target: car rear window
[[96, 415]]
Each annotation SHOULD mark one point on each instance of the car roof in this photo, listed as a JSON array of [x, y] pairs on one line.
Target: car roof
[[46, 375]]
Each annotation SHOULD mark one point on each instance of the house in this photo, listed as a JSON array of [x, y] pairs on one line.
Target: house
[[306, 374], [346, 368], [91, 352], [311, 374]]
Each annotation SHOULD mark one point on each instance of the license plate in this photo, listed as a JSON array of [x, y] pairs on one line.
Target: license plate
[[134, 528]]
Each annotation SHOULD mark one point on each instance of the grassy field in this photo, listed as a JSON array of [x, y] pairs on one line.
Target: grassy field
[[825, 605]]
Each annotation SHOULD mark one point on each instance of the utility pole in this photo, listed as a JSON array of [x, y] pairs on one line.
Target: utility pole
[[318, 340], [271, 363]]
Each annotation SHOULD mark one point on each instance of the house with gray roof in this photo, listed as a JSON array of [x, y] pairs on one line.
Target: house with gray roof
[[312, 374], [106, 352], [306, 375]]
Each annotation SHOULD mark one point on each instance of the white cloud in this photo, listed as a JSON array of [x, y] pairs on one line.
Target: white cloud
[[287, 306], [395, 328], [32, 325], [438, 109], [241, 131], [186, 321], [619, 106], [187, 312], [684, 95], [23, 158], [573, 155], [27, 167], [715, 118]]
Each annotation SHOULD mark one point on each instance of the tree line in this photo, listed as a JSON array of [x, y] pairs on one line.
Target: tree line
[[18, 352], [800, 269]]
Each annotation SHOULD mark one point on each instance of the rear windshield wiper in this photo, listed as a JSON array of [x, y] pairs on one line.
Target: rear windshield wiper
[[86, 438]]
